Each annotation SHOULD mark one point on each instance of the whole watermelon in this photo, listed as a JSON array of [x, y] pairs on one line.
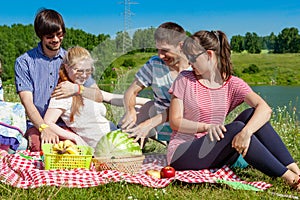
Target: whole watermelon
[[117, 144]]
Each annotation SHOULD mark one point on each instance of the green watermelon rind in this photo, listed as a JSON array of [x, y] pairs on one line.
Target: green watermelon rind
[[117, 144]]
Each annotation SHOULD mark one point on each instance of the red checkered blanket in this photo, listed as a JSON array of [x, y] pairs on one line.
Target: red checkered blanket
[[20, 172]]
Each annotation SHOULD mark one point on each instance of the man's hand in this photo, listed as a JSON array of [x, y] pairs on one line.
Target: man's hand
[[65, 89], [128, 120], [48, 136], [140, 132]]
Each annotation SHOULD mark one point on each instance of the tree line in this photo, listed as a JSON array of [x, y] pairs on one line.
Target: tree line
[[287, 41], [18, 38]]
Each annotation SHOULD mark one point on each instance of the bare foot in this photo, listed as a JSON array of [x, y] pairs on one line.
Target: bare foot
[[292, 179], [294, 168]]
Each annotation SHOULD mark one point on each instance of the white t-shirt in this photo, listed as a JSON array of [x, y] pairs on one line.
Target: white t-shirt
[[91, 124]]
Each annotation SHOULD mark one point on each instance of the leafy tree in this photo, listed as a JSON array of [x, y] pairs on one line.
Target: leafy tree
[[14, 41], [143, 39], [287, 41], [119, 42], [252, 43], [123, 42], [270, 41], [237, 43], [188, 33], [77, 37], [105, 53]]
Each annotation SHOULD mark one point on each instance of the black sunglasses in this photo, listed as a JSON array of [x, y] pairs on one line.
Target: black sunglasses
[[51, 36], [192, 58]]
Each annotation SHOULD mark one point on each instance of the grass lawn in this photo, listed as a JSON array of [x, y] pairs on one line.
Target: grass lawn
[[176, 190], [278, 69]]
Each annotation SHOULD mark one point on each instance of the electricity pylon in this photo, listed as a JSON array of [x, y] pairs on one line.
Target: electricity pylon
[[127, 41]]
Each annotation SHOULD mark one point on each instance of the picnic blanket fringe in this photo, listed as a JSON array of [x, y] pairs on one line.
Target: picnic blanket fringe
[[21, 172]]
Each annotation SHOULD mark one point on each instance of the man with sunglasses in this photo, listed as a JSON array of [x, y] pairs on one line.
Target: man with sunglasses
[[158, 73], [36, 77]]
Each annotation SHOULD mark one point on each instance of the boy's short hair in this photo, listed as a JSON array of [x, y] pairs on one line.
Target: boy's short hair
[[170, 33], [48, 21]]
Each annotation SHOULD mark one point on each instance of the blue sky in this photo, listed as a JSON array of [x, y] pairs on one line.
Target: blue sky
[[106, 16]]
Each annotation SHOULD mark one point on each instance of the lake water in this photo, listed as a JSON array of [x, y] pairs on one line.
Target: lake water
[[279, 96], [276, 96]]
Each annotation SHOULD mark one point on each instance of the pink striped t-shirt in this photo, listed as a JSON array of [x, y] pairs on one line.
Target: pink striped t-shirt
[[203, 104]]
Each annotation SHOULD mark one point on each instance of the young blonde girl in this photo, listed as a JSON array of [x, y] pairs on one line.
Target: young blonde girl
[[85, 117]]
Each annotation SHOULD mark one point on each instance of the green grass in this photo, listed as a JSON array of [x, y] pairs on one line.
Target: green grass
[[284, 122], [279, 69], [126, 191]]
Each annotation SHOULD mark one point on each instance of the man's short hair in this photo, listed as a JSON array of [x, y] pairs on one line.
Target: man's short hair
[[170, 33], [48, 21]]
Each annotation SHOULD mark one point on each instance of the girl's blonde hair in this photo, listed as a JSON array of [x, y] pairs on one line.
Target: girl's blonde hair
[[73, 56]]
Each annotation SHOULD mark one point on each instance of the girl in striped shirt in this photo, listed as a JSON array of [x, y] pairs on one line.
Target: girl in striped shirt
[[201, 100]]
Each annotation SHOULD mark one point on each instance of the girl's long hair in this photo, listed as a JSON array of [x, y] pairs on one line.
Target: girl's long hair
[[73, 56], [212, 40]]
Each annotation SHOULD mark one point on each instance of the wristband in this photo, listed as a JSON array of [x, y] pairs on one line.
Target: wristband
[[80, 89], [43, 127]]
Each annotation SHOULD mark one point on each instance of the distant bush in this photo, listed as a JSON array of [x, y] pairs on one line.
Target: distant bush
[[129, 63], [252, 69], [109, 74]]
